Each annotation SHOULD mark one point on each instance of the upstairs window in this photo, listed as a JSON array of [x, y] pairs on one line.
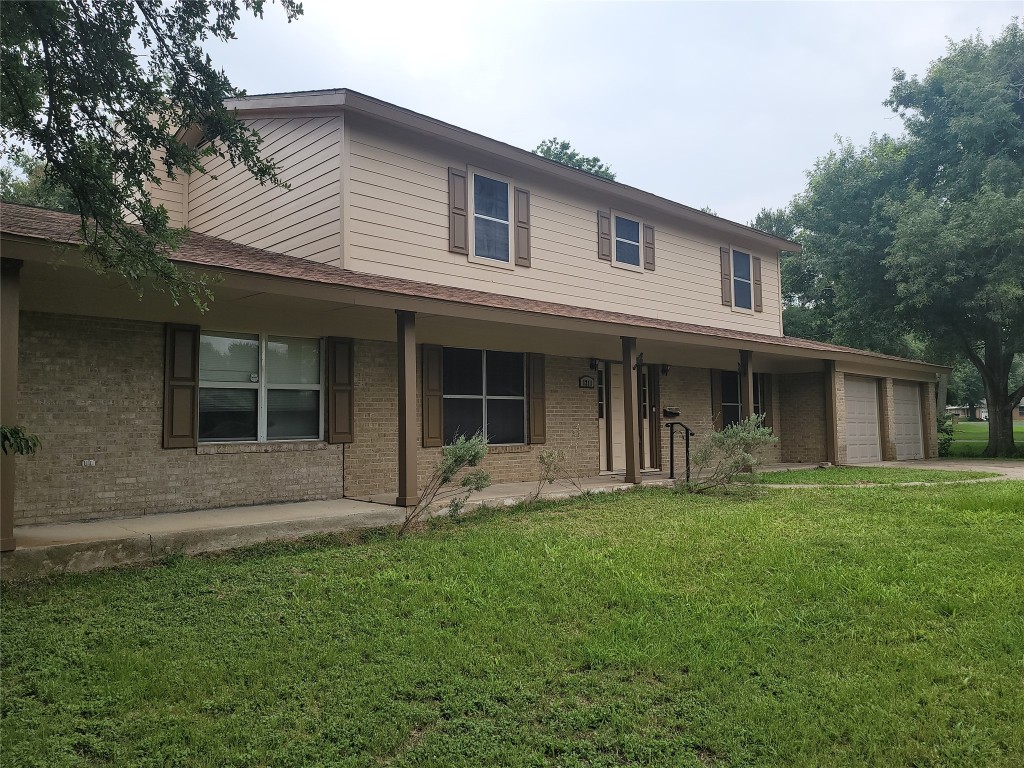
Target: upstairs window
[[627, 241], [492, 204], [742, 280], [259, 388], [484, 392]]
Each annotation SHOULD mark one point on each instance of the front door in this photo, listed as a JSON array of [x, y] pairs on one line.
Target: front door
[[611, 423]]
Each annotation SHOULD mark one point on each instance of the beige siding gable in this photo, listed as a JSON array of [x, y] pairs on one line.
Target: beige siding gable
[[397, 225], [303, 220]]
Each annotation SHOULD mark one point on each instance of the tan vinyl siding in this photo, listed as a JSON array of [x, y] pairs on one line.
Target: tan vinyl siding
[[170, 194], [302, 221], [398, 226]]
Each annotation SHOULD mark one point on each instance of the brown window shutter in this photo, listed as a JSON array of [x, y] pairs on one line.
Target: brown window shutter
[[766, 394], [433, 397], [181, 386], [340, 390], [716, 400], [756, 274], [604, 236], [538, 401], [648, 247], [522, 227], [726, 256], [458, 211]]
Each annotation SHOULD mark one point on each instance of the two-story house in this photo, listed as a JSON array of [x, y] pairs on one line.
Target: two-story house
[[416, 281]]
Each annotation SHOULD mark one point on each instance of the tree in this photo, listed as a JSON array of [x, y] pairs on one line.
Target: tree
[[966, 387], [23, 180], [100, 93], [562, 152], [921, 238]]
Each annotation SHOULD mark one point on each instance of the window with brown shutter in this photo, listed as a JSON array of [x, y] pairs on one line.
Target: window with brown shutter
[[725, 254], [538, 401], [181, 386], [522, 197], [458, 212], [604, 235], [758, 301], [339, 390], [433, 397], [648, 247]]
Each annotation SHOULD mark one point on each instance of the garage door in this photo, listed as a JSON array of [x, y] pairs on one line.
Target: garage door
[[861, 420], [907, 410]]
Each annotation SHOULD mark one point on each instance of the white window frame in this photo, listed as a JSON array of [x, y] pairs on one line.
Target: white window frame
[[262, 386], [732, 276], [485, 397], [471, 205], [615, 239]]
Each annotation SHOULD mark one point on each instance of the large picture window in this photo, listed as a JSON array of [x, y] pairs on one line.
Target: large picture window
[[484, 391], [732, 397], [258, 388]]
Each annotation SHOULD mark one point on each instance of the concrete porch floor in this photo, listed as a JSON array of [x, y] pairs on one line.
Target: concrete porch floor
[[86, 546]]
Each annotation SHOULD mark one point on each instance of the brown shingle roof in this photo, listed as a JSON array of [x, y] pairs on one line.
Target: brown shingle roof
[[214, 253]]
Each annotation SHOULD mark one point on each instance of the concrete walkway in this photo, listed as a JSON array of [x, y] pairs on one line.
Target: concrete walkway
[[87, 546], [79, 547]]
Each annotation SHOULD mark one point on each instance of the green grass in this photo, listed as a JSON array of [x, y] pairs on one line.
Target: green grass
[[971, 437], [978, 431], [838, 627], [877, 475]]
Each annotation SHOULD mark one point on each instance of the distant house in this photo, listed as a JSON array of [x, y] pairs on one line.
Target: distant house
[[416, 282]]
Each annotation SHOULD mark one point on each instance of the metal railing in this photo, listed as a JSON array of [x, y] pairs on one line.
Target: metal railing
[[672, 426]]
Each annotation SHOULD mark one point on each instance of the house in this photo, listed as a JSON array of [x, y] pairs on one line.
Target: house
[[417, 281]]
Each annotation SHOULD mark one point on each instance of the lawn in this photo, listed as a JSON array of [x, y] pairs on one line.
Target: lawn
[[971, 437], [810, 627], [875, 475]]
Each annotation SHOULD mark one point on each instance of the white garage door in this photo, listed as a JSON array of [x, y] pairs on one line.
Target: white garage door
[[862, 420], [907, 410]]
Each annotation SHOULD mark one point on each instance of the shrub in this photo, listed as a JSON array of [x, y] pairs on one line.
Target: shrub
[[16, 440], [723, 455], [461, 454], [560, 466], [945, 435]]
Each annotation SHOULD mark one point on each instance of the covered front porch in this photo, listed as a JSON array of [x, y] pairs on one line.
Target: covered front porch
[[99, 378]]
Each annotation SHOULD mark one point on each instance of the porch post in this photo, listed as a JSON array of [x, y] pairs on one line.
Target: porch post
[[408, 490], [831, 414], [747, 383], [887, 419], [9, 300], [631, 415]]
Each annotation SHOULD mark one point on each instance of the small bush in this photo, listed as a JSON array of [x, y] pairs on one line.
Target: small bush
[[723, 455], [16, 440], [945, 435], [456, 456]]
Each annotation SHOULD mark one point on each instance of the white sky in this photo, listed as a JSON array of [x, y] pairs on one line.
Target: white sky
[[725, 104]]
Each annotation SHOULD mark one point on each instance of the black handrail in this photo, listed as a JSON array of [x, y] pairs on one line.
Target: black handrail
[[672, 448]]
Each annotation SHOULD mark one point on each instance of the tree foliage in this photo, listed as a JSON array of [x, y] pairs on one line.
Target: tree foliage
[[101, 93], [562, 152], [23, 180], [915, 245]]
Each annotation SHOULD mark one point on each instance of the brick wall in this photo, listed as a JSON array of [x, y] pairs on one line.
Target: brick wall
[[371, 460], [801, 422], [93, 389]]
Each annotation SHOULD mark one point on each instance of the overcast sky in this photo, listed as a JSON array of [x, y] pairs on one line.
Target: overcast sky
[[724, 104]]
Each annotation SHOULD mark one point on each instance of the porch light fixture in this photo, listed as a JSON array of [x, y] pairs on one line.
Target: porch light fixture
[[665, 369], [594, 363]]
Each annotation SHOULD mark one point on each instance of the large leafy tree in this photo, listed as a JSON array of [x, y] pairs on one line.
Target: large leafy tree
[[105, 94], [562, 152], [921, 237]]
